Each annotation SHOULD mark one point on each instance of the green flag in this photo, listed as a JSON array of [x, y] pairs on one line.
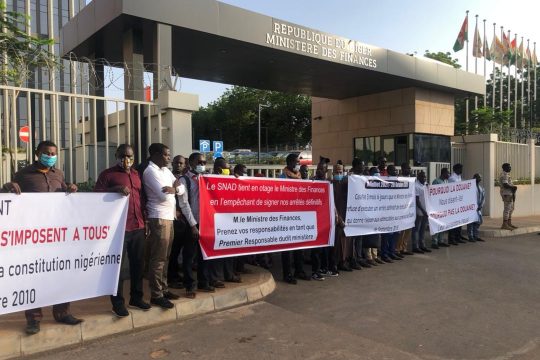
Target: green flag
[[462, 36]]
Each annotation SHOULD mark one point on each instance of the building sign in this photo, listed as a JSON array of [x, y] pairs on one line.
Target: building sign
[[318, 44]]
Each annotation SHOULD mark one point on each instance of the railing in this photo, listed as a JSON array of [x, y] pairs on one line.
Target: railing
[[459, 151], [274, 171], [515, 154], [87, 129]]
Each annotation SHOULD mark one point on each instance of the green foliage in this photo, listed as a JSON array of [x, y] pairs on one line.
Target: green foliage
[[23, 51], [87, 186], [443, 57], [233, 118]]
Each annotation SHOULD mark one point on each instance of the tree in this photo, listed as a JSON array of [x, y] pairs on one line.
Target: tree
[[443, 57], [233, 118], [21, 52]]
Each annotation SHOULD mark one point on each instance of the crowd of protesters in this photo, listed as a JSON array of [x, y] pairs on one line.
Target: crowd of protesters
[[162, 226]]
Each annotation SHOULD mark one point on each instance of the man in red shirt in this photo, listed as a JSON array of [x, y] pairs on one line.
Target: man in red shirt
[[122, 178]]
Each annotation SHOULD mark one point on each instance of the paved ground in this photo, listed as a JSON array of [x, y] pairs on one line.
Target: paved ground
[[473, 301]]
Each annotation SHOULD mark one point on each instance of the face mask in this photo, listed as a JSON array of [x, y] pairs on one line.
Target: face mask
[[125, 163], [338, 177], [200, 169], [47, 160], [225, 172], [297, 168]]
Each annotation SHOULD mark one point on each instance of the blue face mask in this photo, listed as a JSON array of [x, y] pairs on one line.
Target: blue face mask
[[338, 177], [47, 160]]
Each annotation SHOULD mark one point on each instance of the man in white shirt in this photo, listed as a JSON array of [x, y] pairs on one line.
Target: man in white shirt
[[421, 221], [160, 186], [454, 235]]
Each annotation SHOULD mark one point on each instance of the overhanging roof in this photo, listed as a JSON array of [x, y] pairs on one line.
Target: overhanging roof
[[218, 42]]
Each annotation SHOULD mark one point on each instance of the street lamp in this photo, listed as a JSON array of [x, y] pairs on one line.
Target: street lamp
[[259, 132]]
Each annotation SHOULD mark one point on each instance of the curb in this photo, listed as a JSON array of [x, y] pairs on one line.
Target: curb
[[15, 343], [506, 233]]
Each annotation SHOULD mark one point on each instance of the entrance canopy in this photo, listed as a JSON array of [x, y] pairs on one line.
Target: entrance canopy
[[209, 40]]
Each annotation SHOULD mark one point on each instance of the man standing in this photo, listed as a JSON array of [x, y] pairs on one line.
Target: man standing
[[122, 178], [189, 204], [437, 239], [454, 235], [405, 235], [421, 221], [381, 164], [160, 186], [42, 176], [472, 228], [508, 194], [180, 227], [389, 240], [292, 171]]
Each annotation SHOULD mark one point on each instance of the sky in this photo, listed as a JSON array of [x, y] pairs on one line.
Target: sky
[[405, 26]]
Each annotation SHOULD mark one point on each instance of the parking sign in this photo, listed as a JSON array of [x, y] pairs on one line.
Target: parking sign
[[204, 146], [218, 148]]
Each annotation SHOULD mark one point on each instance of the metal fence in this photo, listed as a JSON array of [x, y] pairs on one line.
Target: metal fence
[[86, 129], [516, 154], [459, 151]]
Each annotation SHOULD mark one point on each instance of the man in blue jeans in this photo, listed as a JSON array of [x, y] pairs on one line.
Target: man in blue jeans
[[421, 215]]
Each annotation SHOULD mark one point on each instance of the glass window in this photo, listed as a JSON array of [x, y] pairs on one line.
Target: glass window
[[43, 18], [431, 148]]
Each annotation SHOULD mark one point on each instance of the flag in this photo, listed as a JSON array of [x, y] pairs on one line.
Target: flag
[[528, 56], [519, 56], [477, 43], [512, 55], [497, 50], [534, 59], [487, 52], [505, 42], [462, 36]]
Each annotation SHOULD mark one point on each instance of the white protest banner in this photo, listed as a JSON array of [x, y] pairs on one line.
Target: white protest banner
[[379, 205], [450, 205], [56, 248]]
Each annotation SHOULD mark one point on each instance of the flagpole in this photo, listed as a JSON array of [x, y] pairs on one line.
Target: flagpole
[[515, 87], [501, 77], [467, 69], [476, 61], [494, 81], [509, 80], [534, 105], [529, 88], [522, 90], [484, 53]]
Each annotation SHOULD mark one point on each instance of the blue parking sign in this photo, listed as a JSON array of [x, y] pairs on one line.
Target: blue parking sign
[[204, 146], [218, 147]]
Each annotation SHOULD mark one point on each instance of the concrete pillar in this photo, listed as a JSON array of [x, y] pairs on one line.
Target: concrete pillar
[[176, 121], [133, 80], [162, 58]]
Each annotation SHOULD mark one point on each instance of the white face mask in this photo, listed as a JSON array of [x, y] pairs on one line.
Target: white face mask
[[200, 169], [297, 168]]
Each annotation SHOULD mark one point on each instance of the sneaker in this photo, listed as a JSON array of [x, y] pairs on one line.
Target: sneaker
[[218, 284], [139, 304], [120, 311], [425, 249], [290, 280], [331, 273], [478, 239], [379, 261], [191, 294], [32, 327], [317, 277], [162, 302], [170, 296], [206, 288], [418, 251]]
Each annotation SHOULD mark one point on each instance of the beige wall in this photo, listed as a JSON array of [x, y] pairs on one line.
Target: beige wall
[[336, 123]]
